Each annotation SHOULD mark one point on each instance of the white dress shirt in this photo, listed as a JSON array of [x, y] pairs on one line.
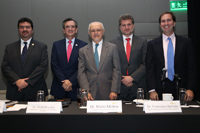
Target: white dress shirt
[[165, 47], [72, 43], [98, 48], [22, 44], [125, 41]]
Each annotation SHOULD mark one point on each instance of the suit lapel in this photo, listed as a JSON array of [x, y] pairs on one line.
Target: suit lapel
[[18, 48], [121, 48], [104, 52], [134, 44], [30, 48], [178, 49], [74, 52], [90, 55], [159, 47]]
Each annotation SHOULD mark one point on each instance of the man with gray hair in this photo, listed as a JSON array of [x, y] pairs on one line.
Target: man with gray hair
[[99, 66], [132, 51]]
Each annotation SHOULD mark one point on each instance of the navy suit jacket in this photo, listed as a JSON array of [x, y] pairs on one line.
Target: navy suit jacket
[[184, 64], [63, 70], [36, 64]]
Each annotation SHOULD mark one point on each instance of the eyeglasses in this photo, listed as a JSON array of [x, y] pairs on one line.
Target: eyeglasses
[[22, 27], [93, 31]]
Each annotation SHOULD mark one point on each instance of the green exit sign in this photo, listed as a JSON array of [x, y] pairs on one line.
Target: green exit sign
[[178, 5]]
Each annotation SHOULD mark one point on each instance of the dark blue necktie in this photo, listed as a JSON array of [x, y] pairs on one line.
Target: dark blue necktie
[[170, 60], [96, 56], [24, 51]]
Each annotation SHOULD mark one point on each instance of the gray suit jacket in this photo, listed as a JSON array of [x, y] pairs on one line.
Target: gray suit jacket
[[136, 64], [107, 77]]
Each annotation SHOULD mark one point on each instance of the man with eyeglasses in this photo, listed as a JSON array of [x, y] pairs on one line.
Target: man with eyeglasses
[[132, 51], [99, 66], [24, 65], [64, 62]]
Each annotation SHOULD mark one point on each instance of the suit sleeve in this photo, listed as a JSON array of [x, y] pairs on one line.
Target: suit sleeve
[[82, 79], [139, 73], [191, 67], [40, 69], [116, 82], [9, 74], [149, 63], [58, 74]]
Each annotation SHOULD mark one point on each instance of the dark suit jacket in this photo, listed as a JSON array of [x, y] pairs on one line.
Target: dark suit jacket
[[184, 64], [35, 66], [106, 78], [63, 70], [136, 64]]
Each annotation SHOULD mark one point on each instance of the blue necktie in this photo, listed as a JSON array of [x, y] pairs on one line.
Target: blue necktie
[[96, 56], [170, 60], [23, 56]]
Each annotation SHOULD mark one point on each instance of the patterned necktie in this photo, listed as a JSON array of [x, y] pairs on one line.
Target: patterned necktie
[[128, 50], [24, 51], [170, 60], [96, 56], [69, 50]]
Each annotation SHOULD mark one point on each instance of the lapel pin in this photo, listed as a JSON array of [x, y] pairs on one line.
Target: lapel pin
[[76, 45], [32, 44]]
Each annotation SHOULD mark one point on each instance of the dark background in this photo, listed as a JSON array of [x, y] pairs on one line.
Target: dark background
[[47, 17]]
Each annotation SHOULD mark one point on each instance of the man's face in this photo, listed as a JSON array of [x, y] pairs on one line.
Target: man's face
[[127, 27], [70, 29], [167, 24], [96, 32], [25, 30]]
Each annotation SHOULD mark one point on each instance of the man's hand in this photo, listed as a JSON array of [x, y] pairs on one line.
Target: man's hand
[[190, 95], [90, 96], [21, 84], [153, 95], [113, 96], [67, 85], [127, 81]]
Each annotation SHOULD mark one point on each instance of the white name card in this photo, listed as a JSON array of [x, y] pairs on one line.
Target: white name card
[[104, 106], [44, 107], [162, 107], [2, 107]]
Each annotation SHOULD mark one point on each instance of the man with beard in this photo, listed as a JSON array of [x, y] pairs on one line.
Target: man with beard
[[132, 51], [99, 66], [24, 65], [64, 62]]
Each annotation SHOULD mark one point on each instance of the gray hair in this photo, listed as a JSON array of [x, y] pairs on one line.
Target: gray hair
[[95, 22]]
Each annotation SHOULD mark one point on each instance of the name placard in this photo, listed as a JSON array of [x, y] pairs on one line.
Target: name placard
[[44, 107], [104, 106], [2, 107], [162, 107]]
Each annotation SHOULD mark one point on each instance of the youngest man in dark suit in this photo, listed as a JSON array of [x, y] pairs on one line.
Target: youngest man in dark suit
[[64, 62], [24, 65], [180, 60]]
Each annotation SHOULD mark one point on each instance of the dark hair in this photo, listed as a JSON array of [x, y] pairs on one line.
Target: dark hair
[[125, 17], [171, 13], [24, 19], [69, 19]]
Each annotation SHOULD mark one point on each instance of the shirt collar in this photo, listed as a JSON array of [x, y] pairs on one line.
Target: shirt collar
[[100, 43], [124, 37], [73, 40], [165, 38], [28, 41]]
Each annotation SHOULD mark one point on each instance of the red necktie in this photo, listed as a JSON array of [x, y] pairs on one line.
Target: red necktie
[[69, 50], [128, 50]]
